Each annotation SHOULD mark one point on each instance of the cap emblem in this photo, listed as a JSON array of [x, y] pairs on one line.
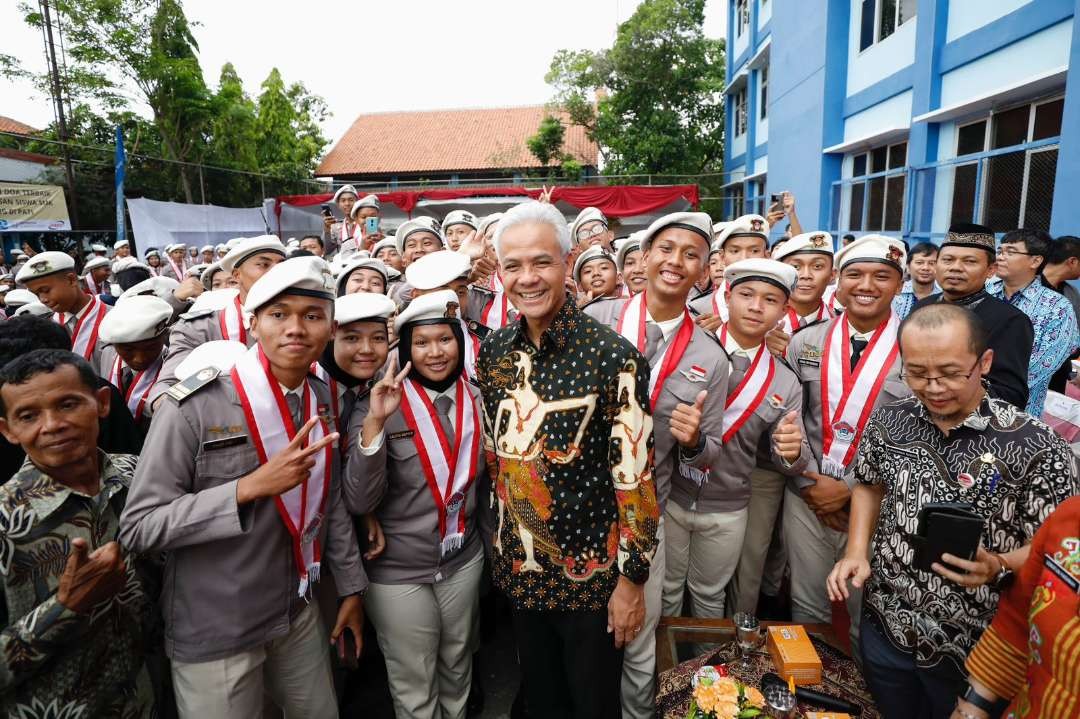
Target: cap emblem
[[817, 241], [894, 254], [42, 267], [757, 225]]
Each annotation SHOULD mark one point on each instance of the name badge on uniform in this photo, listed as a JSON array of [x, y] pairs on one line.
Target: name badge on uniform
[[224, 442], [1061, 573], [404, 434], [695, 475]]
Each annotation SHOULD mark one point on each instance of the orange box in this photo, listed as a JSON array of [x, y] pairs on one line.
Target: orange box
[[827, 715], [794, 655]]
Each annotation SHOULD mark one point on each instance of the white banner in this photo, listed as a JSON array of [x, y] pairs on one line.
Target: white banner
[[32, 208]]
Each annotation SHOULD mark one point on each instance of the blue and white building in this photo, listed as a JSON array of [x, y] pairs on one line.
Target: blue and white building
[[902, 116]]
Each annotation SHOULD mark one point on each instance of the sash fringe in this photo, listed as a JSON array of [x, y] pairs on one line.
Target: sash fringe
[[451, 544]]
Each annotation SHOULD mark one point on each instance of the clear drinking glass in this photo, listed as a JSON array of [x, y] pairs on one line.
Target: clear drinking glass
[[781, 702], [748, 635]]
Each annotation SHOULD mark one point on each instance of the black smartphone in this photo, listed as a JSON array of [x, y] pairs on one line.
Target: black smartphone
[[326, 211], [943, 527], [776, 199]]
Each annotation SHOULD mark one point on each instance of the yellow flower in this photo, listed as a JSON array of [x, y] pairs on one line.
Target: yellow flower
[[755, 697]]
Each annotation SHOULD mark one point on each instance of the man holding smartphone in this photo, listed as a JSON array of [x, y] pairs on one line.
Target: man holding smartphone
[[946, 444]]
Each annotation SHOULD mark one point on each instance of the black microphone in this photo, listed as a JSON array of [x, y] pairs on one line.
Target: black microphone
[[826, 701]]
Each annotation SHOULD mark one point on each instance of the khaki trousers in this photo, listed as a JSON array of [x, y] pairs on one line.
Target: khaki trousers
[[639, 657], [813, 551], [702, 551], [426, 635], [766, 494], [293, 670]]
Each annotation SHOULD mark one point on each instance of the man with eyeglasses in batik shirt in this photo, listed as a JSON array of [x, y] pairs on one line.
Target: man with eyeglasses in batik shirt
[[952, 442]]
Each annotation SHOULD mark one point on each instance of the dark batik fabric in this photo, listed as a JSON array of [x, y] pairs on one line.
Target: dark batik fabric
[[53, 662], [1013, 469], [569, 436]]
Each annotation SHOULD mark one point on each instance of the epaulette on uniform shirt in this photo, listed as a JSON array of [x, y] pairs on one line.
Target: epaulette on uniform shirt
[[182, 390]]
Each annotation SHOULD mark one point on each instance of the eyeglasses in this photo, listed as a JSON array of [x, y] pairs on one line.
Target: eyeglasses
[[955, 380], [583, 235], [1011, 252]]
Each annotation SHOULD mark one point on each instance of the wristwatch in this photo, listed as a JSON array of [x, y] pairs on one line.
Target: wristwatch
[[1005, 577], [994, 708]]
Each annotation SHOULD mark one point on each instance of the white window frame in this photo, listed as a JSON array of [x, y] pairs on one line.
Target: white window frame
[[742, 17], [885, 175], [877, 22], [741, 110], [1032, 106]]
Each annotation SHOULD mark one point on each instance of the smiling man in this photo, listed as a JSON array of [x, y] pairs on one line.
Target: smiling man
[[687, 389], [239, 482], [746, 237], [964, 264], [595, 274], [811, 254], [78, 616], [569, 435], [628, 258], [848, 366], [922, 261]]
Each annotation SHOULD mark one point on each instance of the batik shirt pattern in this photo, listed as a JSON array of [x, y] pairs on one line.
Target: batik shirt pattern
[[569, 436], [1012, 469], [1056, 334], [53, 662]]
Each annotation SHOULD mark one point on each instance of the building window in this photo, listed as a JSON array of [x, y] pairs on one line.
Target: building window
[[742, 17], [740, 112], [763, 79], [738, 201], [1014, 189], [757, 197], [880, 18], [878, 189]]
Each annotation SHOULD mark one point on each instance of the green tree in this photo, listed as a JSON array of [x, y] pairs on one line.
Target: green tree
[[290, 141], [546, 144], [653, 101]]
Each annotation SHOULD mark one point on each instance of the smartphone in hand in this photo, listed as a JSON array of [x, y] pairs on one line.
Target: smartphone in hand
[[371, 225]]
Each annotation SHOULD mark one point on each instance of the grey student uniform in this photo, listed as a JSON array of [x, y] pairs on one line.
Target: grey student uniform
[[728, 488], [391, 483], [669, 462], [813, 548], [231, 582], [192, 329]]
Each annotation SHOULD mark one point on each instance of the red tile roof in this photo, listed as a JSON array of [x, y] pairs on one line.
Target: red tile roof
[[19, 128], [446, 140]]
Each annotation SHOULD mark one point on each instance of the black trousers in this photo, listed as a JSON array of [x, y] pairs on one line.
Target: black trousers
[[900, 689], [569, 664]]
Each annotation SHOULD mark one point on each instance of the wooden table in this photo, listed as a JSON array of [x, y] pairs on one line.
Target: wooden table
[[675, 631]]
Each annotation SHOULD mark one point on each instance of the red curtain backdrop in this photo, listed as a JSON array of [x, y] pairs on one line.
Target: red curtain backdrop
[[612, 200]]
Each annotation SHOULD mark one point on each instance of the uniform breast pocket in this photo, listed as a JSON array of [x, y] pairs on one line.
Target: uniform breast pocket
[[683, 392], [224, 465], [400, 446]]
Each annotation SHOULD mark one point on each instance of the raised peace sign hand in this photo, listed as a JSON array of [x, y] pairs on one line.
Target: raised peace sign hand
[[385, 396], [472, 246], [284, 470]]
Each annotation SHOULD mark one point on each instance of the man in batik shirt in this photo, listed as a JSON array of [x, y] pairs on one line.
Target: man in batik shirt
[[569, 433], [77, 615]]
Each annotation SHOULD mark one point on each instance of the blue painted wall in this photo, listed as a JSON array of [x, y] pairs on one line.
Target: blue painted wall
[[809, 102]]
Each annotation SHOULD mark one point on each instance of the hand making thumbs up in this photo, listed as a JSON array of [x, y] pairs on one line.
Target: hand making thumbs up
[[788, 437], [685, 423]]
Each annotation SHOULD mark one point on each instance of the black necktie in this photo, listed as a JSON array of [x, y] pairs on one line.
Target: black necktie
[[857, 347], [653, 338], [125, 378], [442, 410], [348, 401]]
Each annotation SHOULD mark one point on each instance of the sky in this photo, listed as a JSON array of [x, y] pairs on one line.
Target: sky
[[375, 57]]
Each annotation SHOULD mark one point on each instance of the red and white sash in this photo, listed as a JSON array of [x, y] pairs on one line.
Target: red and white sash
[[92, 285], [847, 398], [346, 236], [631, 325], [177, 270], [135, 395], [85, 336], [791, 317], [232, 321], [496, 314], [744, 400], [829, 298], [472, 349], [449, 470], [271, 426], [336, 390], [719, 302]]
